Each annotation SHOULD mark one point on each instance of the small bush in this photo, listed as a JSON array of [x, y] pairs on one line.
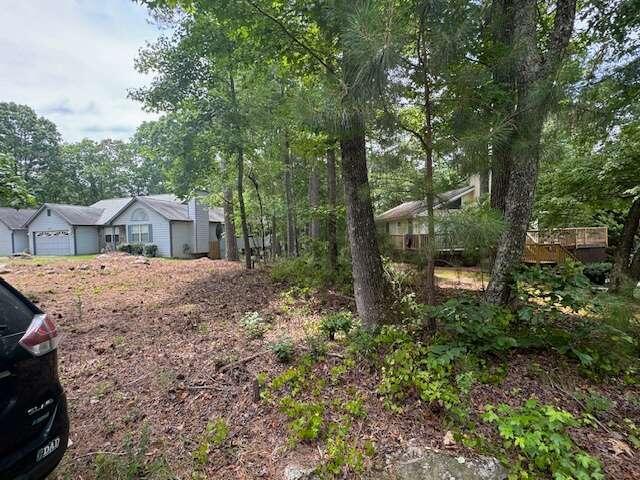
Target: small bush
[[311, 271], [124, 247], [214, 436], [283, 350], [254, 325], [307, 419], [538, 433], [137, 249], [150, 250], [597, 273], [336, 322]]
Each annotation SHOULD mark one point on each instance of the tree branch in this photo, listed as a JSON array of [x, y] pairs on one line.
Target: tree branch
[[295, 39]]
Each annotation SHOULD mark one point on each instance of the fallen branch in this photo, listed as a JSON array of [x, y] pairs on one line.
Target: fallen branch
[[231, 365]]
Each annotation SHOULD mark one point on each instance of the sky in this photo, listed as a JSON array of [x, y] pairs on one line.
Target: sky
[[72, 61]]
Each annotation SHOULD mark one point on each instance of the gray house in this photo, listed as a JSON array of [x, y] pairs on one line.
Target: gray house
[[179, 229], [13, 234]]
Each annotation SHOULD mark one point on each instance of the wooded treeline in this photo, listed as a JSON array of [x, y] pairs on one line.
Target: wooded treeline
[[303, 118]]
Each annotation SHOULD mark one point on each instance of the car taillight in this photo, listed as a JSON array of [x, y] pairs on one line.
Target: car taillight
[[41, 337]]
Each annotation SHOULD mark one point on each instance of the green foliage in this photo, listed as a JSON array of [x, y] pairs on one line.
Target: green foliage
[[14, 191], [480, 327], [561, 312], [150, 250], [552, 289], [283, 349], [307, 419], [311, 271], [336, 322], [132, 248], [134, 464], [254, 325], [595, 403], [428, 371], [597, 273], [214, 436], [538, 434]]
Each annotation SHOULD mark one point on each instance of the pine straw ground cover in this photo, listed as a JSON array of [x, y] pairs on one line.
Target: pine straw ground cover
[[152, 362]]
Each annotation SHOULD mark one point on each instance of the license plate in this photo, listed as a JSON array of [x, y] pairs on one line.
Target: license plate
[[48, 449]]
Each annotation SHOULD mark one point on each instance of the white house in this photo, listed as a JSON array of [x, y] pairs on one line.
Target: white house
[[179, 229], [406, 224], [13, 234]]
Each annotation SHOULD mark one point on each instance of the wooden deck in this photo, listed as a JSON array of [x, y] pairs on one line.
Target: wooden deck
[[543, 246]]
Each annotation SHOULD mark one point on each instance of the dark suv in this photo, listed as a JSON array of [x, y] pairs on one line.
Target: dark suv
[[34, 427]]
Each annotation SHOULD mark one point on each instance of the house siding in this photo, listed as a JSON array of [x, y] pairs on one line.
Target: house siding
[[160, 226], [5, 241], [86, 240], [44, 223], [181, 234]]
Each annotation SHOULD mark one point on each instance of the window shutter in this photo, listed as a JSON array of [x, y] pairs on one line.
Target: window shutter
[[150, 233], [130, 234]]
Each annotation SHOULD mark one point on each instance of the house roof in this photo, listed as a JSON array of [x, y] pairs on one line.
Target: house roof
[[170, 210], [104, 212], [416, 207], [76, 214], [111, 208], [15, 219], [216, 214]]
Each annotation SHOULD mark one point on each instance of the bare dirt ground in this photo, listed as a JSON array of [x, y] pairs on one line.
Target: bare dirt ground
[[153, 347]]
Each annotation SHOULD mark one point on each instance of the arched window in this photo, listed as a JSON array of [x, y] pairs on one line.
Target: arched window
[[139, 215]]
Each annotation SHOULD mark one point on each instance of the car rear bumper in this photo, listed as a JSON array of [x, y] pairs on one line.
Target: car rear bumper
[[22, 464]]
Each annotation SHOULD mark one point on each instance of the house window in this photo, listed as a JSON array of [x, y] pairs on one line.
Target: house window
[[140, 233], [48, 212], [112, 238], [107, 238], [387, 227]]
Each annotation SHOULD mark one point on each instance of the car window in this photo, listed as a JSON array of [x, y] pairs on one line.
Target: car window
[[15, 315]]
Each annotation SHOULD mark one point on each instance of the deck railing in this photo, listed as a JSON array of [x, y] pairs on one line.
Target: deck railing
[[569, 238], [582, 237]]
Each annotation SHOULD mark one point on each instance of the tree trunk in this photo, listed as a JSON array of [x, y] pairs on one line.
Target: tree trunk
[[368, 279], [534, 82], [332, 224], [292, 243], [502, 18], [231, 245], [621, 262], [634, 270], [243, 213], [262, 250], [314, 204], [275, 245]]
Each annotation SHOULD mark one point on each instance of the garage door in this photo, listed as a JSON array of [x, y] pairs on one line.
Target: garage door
[[52, 243]]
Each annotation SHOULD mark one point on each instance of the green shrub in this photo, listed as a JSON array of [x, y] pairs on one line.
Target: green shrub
[[283, 349], [481, 327], [214, 436], [150, 250], [595, 403], [254, 325], [124, 247], [336, 322], [597, 273], [538, 434], [307, 418], [312, 271]]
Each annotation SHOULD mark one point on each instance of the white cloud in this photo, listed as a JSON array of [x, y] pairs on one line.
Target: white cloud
[[72, 62]]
